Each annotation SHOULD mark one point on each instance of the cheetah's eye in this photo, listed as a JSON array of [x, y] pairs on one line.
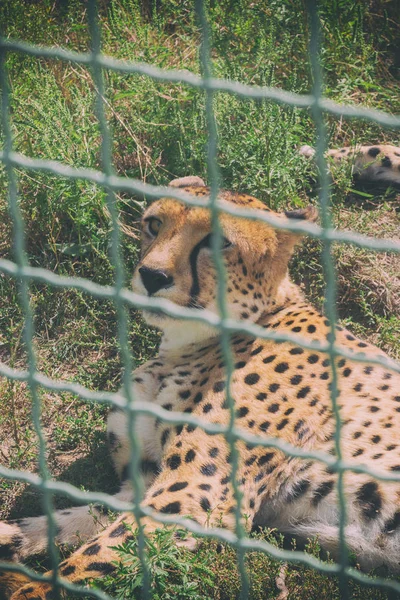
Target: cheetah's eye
[[225, 243], [153, 226]]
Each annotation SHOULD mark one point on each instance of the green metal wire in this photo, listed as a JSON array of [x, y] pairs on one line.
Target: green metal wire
[[213, 173], [152, 191], [23, 284], [253, 92], [123, 298], [122, 316], [330, 277]]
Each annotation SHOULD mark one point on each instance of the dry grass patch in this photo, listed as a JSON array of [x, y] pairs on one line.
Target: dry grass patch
[[370, 276]]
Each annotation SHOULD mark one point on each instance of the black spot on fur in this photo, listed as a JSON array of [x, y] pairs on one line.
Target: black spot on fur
[[370, 500], [303, 392], [101, 567], [374, 151], [68, 570], [198, 398], [251, 378], [269, 358], [17, 540], [173, 462], [92, 550], [179, 485], [208, 470], [393, 523], [119, 530], [240, 364], [205, 486], [219, 386], [164, 436], [256, 351], [312, 359], [296, 351], [242, 411], [205, 504], [322, 491], [298, 490], [263, 460], [7, 551], [190, 456], [172, 508], [386, 162]]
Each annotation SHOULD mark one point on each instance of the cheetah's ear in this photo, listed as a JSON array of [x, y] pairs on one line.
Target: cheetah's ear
[[191, 180], [310, 213], [287, 240]]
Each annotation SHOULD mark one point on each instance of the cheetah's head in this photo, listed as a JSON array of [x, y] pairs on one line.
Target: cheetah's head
[[176, 260]]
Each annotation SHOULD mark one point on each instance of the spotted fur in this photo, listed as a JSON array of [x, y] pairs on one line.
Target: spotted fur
[[280, 390], [378, 164]]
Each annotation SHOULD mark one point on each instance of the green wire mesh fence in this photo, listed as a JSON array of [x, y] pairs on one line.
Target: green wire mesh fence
[[123, 298]]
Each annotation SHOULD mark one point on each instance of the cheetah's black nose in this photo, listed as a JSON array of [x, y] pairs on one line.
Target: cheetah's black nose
[[154, 280]]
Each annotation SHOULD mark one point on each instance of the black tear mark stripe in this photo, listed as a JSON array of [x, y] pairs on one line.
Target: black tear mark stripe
[[195, 289]]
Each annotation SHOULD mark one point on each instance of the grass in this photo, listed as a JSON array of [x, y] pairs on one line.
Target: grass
[[159, 133]]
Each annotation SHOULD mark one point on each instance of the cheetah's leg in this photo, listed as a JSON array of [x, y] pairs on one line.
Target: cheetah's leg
[[28, 536], [369, 163], [194, 483], [24, 537]]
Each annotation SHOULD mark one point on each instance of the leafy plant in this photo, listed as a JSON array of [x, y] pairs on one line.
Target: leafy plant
[[174, 572]]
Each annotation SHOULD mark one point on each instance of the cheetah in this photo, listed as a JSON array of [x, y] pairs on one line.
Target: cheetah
[[280, 391], [377, 164]]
